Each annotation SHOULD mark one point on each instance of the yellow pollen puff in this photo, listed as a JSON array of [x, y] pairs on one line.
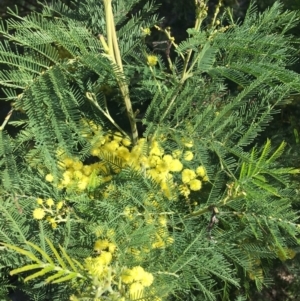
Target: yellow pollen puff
[[156, 151], [87, 170], [188, 156], [200, 171], [127, 277], [152, 60], [137, 272], [49, 177], [188, 175], [111, 247], [117, 136], [77, 174], [54, 225], [101, 245], [59, 205], [146, 31], [162, 220], [95, 152], [136, 291], [49, 202], [126, 142], [153, 161], [39, 201], [68, 162], [177, 153], [105, 258], [205, 179], [83, 183], [111, 146], [175, 165], [195, 184], [162, 166], [168, 159], [77, 165], [188, 143], [38, 213], [123, 152]]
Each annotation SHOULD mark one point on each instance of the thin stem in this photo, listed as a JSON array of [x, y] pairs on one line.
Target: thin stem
[[6, 119], [114, 52]]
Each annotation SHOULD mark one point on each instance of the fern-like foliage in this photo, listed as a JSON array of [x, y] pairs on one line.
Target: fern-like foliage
[[187, 210], [65, 269]]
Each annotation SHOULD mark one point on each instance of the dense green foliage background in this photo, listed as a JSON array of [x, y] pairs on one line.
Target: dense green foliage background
[[180, 16]]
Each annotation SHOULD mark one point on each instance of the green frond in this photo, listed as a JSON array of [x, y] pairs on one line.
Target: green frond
[[62, 273]]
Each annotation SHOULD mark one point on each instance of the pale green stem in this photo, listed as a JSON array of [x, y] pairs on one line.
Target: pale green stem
[[114, 52], [222, 202], [6, 119]]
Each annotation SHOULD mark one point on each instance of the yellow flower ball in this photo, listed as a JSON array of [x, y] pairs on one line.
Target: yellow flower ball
[[152, 60], [67, 162], [49, 177], [126, 142], [162, 166], [39, 201], [162, 220], [95, 152], [83, 183], [200, 171], [59, 205], [188, 156], [177, 153], [153, 160], [187, 175], [147, 279], [205, 179], [137, 273], [105, 258], [168, 159], [188, 143], [117, 136], [87, 170], [146, 31], [111, 146], [111, 247], [49, 202], [68, 174], [101, 245], [77, 165], [77, 175], [136, 290], [175, 165], [126, 276], [195, 184], [54, 225], [156, 151], [38, 213], [123, 152]]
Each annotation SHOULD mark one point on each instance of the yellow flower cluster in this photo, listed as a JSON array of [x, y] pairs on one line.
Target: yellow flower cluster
[[148, 157], [138, 279], [98, 267], [54, 213]]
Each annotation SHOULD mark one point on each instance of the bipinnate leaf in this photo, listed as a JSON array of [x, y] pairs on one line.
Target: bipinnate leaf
[[62, 272]]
